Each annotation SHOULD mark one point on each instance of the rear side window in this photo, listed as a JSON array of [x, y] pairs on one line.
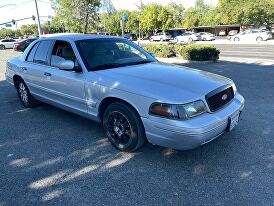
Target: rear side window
[[41, 54], [32, 52]]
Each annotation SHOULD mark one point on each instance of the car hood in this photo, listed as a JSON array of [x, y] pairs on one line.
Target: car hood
[[163, 82]]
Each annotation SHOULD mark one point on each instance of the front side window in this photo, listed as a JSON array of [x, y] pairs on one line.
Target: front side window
[[62, 50], [41, 54], [100, 54]]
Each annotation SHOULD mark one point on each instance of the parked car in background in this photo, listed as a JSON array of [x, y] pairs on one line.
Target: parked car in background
[[131, 37], [222, 33], [206, 36], [187, 37], [7, 43], [252, 35], [232, 32], [162, 36], [23, 44], [113, 81]]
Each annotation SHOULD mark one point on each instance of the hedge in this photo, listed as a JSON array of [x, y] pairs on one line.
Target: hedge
[[160, 50], [195, 52], [198, 52]]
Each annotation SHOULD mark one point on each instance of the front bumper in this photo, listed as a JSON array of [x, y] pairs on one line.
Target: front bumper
[[192, 133]]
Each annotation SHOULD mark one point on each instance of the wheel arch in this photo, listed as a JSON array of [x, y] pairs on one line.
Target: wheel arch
[[16, 78], [109, 100]]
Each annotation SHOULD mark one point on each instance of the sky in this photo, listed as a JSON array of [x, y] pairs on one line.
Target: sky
[[16, 9]]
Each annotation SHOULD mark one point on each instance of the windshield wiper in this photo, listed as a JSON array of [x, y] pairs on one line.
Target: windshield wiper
[[107, 66], [115, 65], [140, 62]]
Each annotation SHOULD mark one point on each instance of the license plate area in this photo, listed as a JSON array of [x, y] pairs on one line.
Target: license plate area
[[233, 121]]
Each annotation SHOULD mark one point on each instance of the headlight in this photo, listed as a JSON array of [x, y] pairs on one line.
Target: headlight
[[178, 111]]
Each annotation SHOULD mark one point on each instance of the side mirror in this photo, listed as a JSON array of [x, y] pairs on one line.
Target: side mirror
[[67, 65]]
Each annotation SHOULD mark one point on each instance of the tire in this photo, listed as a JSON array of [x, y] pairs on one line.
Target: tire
[[24, 95], [2, 47], [190, 40], [161, 40], [204, 39], [151, 39], [124, 127], [236, 39], [259, 39]]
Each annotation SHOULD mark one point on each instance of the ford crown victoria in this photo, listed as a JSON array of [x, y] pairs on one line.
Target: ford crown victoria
[[137, 99]]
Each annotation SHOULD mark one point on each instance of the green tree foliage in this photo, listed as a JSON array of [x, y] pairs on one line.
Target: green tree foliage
[[256, 12], [6, 33], [29, 29], [77, 15], [155, 16]]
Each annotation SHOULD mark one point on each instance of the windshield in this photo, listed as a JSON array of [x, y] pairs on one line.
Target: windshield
[[99, 54]]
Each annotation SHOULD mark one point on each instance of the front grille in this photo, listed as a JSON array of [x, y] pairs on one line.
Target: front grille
[[219, 98]]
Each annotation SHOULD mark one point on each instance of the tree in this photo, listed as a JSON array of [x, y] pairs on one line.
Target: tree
[[132, 24], [6, 33], [156, 17], [256, 12], [177, 11], [29, 29], [77, 15]]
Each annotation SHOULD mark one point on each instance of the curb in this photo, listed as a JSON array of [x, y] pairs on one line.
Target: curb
[[264, 62], [181, 61]]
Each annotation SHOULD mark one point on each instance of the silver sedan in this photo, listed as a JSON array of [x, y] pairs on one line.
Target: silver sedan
[[136, 98]]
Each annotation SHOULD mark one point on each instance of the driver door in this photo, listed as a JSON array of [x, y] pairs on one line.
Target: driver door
[[65, 87]]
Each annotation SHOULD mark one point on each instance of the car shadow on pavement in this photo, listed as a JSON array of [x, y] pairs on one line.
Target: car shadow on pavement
[[50, 156]]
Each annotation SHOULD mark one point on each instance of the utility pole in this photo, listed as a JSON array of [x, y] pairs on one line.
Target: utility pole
[[141, 6], [38, 19]]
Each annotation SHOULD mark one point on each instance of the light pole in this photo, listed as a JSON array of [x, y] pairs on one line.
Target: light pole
[[38, 19]]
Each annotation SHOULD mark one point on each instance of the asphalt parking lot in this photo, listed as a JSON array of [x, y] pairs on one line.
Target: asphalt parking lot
[[49, 156]]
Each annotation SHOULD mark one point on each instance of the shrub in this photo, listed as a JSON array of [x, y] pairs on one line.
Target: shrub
[[160, 50], [198, 52]]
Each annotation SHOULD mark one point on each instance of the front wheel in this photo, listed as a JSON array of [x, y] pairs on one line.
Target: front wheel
[[124, 127], [190, 40], [236, 39], [2, 47], [25, 96], [259, 39]]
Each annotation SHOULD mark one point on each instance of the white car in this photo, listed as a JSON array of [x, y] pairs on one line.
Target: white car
[[7, 43], [162, 36], [188, 37], [252, 35], [205, 36]]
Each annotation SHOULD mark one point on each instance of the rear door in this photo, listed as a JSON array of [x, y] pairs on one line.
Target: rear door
[[36, 66]]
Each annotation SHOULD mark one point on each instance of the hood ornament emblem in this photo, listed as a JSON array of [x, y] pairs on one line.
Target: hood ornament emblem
[[224, 97]]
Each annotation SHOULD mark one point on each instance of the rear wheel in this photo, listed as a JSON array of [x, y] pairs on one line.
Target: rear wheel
[[151, 39], [124, 127], [24, 95], [190, 40], [161, 40], [2, 47]]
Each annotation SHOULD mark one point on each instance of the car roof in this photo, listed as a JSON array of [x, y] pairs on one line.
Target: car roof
[[76, 37]]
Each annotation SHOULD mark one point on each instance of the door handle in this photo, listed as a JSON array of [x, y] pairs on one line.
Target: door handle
[[24, 69], [47, 74]]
